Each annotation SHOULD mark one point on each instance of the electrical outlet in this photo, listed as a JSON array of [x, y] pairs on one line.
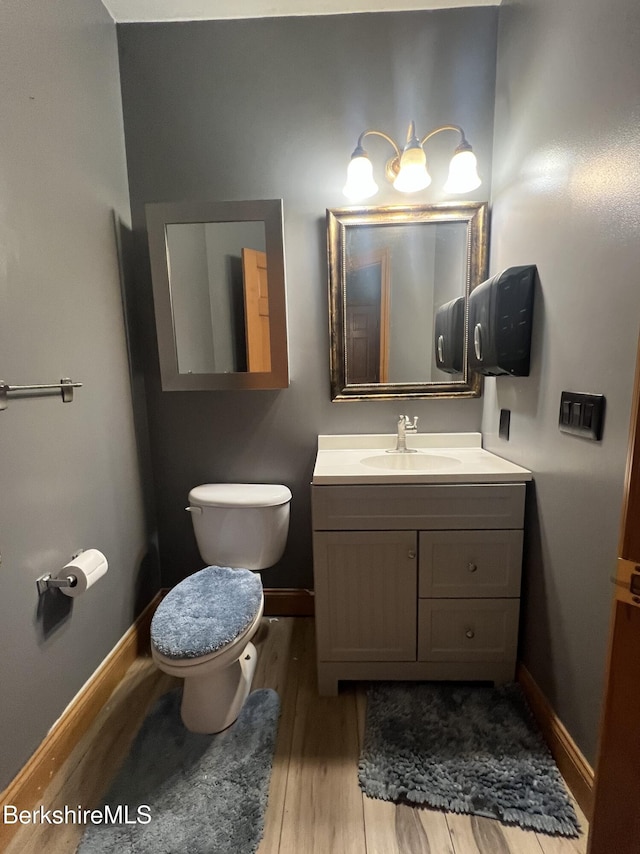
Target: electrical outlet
[[505, 423]]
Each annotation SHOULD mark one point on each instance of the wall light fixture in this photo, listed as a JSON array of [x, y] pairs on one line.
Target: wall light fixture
[[407, 169]]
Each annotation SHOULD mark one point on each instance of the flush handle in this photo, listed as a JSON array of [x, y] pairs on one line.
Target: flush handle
[[194, 509]]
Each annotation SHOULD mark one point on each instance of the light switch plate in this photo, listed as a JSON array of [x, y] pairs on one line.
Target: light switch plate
[[582, 414]]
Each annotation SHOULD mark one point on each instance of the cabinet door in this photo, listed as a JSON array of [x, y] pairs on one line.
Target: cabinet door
[[366, 590], [470, 564]]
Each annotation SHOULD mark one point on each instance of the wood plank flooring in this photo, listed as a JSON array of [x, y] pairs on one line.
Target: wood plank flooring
[[315, 803]]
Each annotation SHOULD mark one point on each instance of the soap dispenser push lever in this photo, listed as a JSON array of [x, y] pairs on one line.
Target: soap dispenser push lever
[[405, 425]]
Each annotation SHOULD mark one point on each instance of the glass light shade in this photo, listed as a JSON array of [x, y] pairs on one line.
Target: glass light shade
[[360, 183], [413, 175], [463, 173]]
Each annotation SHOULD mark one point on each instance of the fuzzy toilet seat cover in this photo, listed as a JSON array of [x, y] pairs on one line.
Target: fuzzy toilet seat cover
[[206, 611]]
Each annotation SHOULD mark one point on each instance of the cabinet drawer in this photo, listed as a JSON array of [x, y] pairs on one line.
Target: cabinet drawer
[[467, 629], [418, 506], [470, 563]]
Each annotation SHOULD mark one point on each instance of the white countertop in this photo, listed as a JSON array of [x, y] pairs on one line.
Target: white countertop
[[439, 458]]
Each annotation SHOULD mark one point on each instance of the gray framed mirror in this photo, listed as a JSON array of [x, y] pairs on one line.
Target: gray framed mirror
[[396, 275], [219, 297]]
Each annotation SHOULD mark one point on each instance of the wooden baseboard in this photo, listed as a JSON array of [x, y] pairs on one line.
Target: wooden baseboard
[[288, 602], [573, 766], [26, 790]]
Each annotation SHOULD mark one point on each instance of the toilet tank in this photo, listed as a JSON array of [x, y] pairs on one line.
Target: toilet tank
[[242, 525]]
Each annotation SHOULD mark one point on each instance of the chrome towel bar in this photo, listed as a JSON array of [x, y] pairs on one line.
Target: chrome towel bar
[[65, 386]]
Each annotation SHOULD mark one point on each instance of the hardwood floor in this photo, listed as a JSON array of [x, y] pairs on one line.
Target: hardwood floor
[[315, 803]]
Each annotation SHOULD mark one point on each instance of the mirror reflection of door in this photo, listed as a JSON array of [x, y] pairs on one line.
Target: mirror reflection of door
[[256, 309], [367, 318]]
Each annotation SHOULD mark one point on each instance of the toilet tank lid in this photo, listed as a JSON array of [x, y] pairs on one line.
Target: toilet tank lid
[[239, 495]]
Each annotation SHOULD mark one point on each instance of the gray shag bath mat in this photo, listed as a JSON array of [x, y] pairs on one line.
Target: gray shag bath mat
[[464, 748], [204, 794]]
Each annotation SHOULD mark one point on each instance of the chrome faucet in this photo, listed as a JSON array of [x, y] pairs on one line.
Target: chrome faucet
[[405, 425]]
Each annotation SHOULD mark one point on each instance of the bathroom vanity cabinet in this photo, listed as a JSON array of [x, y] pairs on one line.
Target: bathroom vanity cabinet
[[417, 581]]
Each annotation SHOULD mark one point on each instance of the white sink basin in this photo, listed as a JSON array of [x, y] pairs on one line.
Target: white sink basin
[[412, 462], [438, 458]]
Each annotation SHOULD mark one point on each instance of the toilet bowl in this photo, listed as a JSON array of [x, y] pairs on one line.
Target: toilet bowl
[[201, 631]]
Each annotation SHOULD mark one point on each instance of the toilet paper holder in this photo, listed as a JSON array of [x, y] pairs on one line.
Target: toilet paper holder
[[50, 582]]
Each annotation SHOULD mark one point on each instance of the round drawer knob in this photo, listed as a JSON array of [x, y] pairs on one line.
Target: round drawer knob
[[411, 554], [472, 567], [470, 633]]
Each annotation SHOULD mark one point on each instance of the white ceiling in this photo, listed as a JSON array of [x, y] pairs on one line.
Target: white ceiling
[[204, 10]]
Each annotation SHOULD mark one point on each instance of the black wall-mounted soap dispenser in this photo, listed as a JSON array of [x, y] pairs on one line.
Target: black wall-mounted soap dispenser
[[500, 318]]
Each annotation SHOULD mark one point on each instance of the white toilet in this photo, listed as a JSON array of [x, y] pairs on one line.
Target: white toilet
[[202, 630]]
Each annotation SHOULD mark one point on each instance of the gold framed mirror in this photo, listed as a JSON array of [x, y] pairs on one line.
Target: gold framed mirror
[[396, 274], [218, 280]]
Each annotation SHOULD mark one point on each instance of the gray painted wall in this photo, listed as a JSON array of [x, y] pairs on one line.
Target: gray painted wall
[[190, 300], [69, 471], [566, 197], [272, 108]]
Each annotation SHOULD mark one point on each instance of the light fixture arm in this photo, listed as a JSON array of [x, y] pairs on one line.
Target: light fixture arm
[[377, 133], [393, 164], [411, 132], [464, 145]]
